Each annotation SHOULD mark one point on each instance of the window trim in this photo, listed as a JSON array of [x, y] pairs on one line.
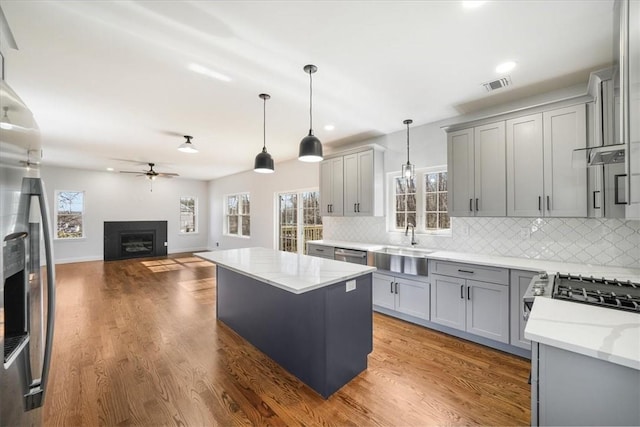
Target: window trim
[[196, 228], [225, 213], [56, 212], [421, 202]]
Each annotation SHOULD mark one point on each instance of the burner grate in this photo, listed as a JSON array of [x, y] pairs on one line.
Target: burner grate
[[601, 292]]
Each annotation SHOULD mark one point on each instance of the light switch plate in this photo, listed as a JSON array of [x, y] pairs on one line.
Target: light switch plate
[[351, 285]]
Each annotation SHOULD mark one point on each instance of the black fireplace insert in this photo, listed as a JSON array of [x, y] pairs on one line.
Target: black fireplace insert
[[134, 239]]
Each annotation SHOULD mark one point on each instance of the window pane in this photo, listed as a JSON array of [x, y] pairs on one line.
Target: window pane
[[431, 202], [442, 181], [443, 220], [401, 203], [69, 225], [432, 220], [233, 224], [442, 202], [431, 182], [246, 225], [400, 222], [411, 202], [400, 185], [70, 210], [411, 186], [245, 204], [232, 205], [411, 218], [187, 214]]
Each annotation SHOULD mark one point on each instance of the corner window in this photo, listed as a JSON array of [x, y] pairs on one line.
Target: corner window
[[238, 210], [188, 208], [421, 202], [69, 214]]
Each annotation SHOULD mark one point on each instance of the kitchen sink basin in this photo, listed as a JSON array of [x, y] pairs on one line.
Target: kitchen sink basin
[[402, 260]]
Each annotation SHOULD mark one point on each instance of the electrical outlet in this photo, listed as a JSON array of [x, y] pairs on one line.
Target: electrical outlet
[[351, 285], [525, 232], [166, 244]]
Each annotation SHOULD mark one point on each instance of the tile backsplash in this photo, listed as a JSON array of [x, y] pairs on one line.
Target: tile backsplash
[[611, 242]]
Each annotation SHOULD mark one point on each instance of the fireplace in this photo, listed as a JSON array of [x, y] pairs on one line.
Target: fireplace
[[134, 239]]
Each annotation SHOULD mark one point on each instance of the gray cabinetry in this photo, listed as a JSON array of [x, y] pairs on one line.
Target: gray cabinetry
[[320, 250], [519, 282], [331, 187], [471, 298], [477, 171], [401, 294]]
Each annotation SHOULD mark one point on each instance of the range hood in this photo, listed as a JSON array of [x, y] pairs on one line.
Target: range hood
[[603, 155]]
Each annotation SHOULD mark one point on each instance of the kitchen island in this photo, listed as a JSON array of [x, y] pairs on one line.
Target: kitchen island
[[313, 316]]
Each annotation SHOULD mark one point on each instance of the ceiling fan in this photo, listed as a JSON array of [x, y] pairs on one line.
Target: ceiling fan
[[152, 174]]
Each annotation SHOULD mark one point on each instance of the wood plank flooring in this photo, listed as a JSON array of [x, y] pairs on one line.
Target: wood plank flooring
[[137, 343]]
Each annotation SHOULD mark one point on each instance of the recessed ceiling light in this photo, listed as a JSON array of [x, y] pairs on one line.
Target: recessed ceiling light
[[471, 4], [329, 127], [209, 73], [110, 169], [505, 67]]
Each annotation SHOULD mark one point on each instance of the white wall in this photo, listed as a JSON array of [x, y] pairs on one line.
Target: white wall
[[291, 175], [112, 196]]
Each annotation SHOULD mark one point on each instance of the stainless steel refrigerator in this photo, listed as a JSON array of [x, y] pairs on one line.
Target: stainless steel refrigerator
[[27, 290]]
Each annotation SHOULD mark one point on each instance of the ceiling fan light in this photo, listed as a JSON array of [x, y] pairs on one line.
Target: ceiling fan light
[[188, 147], [310, 149], [263, 163]]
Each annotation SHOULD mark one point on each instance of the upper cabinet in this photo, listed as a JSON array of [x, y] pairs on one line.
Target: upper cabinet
[[352, 184], [541, 180], [477, 171]]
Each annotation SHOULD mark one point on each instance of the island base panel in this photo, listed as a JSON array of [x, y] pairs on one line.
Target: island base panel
[[322, 336]]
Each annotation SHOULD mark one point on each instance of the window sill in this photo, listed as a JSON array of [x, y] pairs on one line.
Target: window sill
[[188, 233], [237, 236], [69, 239]]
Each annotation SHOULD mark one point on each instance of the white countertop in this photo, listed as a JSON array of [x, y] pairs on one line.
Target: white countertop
[[603, 333], [291, 272], [348, 245]]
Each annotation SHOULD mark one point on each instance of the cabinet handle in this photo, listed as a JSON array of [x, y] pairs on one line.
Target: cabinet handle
[[465, 271], [319, 250], [477, 205], [396, 288], [468, 292], [461, 291], [391, 287], [470, 205], [539, 203], [548, 203], [594, 200], [354, 207], [358, 207]]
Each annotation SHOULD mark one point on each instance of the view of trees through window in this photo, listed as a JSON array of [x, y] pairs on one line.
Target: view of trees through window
[[299, 220], [405, 202], [238, 215], [69, 214], [436, 212], [187, 214]]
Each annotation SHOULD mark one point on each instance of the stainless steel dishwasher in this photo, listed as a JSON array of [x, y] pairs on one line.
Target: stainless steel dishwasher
[[350, 255]]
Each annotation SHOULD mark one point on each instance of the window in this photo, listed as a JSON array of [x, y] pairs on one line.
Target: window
[[422, 202], [188, 207], [238, 215], [298, 222], [436, 214], [69, 214]]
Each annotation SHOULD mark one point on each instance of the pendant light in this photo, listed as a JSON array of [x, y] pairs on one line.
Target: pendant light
[[310, 146], [188, 147], [264, 162], [408, 170]]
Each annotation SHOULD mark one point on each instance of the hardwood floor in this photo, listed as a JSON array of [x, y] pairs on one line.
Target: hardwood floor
[[137, 342]]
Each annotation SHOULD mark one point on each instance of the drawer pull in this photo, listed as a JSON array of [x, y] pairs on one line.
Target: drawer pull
[[319, 250], [461, 291], [391, 286], [465, 271], [469, 292]]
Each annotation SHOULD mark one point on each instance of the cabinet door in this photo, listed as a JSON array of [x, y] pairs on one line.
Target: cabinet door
[[565, 187], [490, 183], [524, 166], [383, 291], [351, 184], [460, 172], [488, 310], [518, 285], [365, 184], [448, 301], [331, 187], [412, 298]]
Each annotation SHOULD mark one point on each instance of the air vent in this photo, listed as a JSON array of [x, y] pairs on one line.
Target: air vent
[[497, 84]]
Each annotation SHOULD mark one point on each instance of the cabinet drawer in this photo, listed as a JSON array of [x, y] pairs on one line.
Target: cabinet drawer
[[320, 251], [471, 271]]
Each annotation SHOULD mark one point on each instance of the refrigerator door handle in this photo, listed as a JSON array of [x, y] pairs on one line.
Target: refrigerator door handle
[[35, 396]]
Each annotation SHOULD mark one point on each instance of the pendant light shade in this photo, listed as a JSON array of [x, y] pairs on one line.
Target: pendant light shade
[[264, 162], [408, 170], [188, 147], [310, 146]]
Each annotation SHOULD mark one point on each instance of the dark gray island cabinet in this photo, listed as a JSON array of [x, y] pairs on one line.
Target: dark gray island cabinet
[[312, 316]]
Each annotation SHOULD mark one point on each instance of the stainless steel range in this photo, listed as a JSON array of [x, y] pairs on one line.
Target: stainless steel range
[[621, 295]]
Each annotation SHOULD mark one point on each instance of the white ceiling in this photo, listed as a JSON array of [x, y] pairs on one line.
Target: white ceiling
[[109, 84]]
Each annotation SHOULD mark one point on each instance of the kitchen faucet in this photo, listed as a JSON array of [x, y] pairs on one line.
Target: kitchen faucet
[[413, 233]]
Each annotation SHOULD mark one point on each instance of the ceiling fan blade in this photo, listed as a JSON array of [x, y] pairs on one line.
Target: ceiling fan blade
[[143, 172], [167, 175]]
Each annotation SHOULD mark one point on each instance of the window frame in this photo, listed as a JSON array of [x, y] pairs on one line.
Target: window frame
[[421, 202], [240, 215], [82, 216], [300, 242], [195, 216]]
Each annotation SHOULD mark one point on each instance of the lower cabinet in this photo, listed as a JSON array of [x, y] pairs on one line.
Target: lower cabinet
[[519, 282], [401, 294], [480, 308]]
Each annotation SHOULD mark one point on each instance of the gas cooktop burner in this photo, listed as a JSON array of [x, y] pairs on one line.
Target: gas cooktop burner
[[622, 295]]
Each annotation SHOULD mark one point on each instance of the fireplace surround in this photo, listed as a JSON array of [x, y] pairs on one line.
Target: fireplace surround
[[134, 239]]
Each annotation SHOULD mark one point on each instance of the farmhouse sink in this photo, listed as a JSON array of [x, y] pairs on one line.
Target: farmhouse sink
[[402, 260]]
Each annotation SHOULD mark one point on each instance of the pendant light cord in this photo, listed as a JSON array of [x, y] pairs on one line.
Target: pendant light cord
[[310, 103], [407, 143], [264, 125]]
